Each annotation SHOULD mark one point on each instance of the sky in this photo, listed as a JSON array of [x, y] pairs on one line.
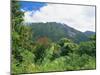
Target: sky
[[79, 17]]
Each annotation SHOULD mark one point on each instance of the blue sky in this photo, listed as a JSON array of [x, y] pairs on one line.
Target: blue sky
[[30, 6], [79, 17]]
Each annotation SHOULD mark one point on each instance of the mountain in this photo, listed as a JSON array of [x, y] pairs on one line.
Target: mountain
[[56, 31], [89, 33]]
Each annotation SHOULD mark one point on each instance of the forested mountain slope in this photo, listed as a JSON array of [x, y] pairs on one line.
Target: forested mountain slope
[[56, 31]]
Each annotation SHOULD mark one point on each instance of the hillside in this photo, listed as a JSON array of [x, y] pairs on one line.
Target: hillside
[[56, 31], [89, 33]]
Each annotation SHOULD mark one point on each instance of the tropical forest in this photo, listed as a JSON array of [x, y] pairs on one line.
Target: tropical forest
[[49, 47]]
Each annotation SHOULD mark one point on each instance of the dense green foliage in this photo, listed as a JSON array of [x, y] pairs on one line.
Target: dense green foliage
[[43, 54]]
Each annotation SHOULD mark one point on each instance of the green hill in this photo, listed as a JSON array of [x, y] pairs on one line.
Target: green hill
[[56, 31]]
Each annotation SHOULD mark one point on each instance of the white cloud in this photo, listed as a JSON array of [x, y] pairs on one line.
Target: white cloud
[[79, 17]]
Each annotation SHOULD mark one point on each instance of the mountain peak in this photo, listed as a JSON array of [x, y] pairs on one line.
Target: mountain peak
[[56, 31]]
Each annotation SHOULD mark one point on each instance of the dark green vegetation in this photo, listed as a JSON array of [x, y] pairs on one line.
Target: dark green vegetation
[[49, 47], [56, 31], [89, 33]]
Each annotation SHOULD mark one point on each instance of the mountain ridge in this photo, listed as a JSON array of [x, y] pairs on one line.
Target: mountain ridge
[[89, 33], [56, 31]]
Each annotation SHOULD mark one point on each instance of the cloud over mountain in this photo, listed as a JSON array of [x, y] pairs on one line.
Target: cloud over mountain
[[79, 17]]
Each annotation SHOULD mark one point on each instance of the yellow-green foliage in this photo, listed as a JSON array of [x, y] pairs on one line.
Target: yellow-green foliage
[[43, 55]]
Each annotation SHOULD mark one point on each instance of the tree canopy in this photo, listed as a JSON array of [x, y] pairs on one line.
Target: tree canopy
[[30, 55]]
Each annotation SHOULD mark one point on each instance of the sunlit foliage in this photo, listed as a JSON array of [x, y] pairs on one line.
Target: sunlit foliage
[[45, 55]]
